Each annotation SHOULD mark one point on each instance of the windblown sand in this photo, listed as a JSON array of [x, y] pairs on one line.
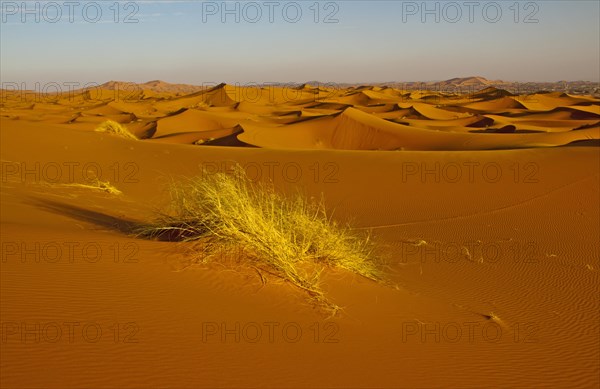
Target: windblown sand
[[486, 206]]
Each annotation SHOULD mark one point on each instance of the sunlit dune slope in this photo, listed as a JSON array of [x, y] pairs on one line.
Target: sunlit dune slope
[[325, 117]]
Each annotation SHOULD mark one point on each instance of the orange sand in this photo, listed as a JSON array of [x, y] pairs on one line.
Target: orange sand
[[487, 206]]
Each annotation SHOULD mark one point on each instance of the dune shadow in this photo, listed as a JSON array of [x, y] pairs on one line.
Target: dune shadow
[[174, 232], [100, 219], [584, 143]]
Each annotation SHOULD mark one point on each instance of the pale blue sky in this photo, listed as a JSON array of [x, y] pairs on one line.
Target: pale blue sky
[[372, 41]]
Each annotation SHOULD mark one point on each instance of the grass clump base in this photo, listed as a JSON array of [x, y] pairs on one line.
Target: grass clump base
[[112, 127], [292, 238]]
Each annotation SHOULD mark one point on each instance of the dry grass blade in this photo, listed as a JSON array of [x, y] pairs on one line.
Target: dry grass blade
[[96, 184], [112, 127]]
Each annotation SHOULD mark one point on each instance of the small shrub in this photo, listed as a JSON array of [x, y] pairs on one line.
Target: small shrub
[[290, 237]]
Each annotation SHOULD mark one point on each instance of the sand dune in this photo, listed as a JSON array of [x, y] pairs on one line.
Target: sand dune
[[356, 130], [357, 118], [496, 105], [486, 211]]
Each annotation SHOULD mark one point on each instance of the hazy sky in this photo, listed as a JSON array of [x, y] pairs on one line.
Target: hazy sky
[[279, 41]]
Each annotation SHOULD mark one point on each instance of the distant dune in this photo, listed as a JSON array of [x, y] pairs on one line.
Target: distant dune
[[309, 117]]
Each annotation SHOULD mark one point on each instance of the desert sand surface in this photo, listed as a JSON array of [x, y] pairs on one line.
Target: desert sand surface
[[486, 206]]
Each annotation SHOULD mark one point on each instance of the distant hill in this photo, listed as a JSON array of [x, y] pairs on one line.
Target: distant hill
[[154, 86], [460, 85], [470, 81]]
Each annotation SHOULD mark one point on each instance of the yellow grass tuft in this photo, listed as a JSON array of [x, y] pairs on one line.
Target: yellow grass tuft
[[112, 127], [289, 237], [103, 186]]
